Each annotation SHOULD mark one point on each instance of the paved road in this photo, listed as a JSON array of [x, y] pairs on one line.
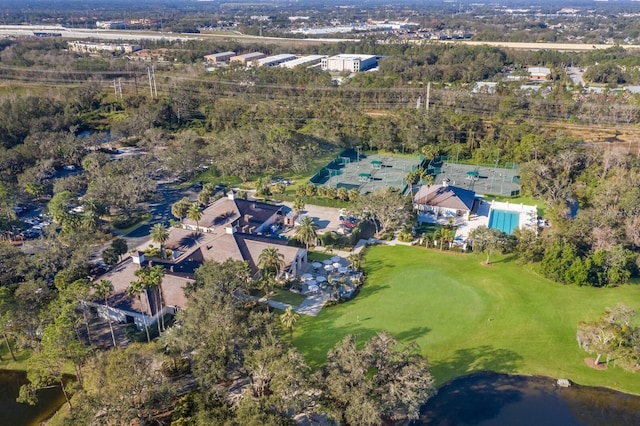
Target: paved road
[[160, 210], [575, 74]]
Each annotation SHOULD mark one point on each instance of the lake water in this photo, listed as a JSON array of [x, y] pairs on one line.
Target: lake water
[[496, 400], [15, 414]]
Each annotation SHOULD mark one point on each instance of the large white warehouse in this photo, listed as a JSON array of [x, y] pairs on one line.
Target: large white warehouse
[[351, 63], [305, 60]]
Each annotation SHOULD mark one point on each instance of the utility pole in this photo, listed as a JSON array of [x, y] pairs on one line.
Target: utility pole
[[426, 105], [152, 82], [150, 86], [153, 74]]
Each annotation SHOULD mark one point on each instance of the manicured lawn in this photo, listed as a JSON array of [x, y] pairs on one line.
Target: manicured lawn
[[6, 363], [316, 256], [285, 296], [467, 317]]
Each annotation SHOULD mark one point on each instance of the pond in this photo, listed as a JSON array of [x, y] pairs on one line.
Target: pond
[[16, 414], [497, 399]]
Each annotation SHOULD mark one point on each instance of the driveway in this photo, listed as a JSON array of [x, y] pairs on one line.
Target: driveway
[[327, 218]]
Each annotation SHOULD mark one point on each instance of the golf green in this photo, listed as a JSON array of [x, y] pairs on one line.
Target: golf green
[[468, 317]]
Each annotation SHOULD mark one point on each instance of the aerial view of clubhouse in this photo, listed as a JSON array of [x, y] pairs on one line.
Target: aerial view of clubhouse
[[233, 228]]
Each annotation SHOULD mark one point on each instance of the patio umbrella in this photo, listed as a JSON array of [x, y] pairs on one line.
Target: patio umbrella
[[337, 265], [336, 259], [321, 279], [343, 270], [316, 265], [327, 262], [328, 268], [307, 276]]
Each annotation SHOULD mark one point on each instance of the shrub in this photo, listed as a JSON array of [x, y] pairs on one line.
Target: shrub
[[405, 237]]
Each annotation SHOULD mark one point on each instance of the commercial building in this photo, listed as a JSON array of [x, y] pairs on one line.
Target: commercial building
[[350, 63], [304, 60], [217, 58], [111, 25], [539, 73], [229, 229], [247, 58], [90, 47], [274, 61]]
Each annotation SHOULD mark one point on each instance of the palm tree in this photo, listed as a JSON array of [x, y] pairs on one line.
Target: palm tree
[[445, 233], [195, 213], [343, 193], [288, 320], [153, 280], [136, 288], [103, 289], [422, 175], [265, 283], [298, 205], [307, 231], [271, 261], [160, 235], [428, 179], [205, 194], [355, 259], [180, 208], [334, 286]]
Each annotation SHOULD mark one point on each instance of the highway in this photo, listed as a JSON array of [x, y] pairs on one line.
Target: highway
[[79, 33]]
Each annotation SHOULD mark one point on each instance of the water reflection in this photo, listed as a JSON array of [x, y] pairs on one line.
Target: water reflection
[[16, 414], [496, 399]]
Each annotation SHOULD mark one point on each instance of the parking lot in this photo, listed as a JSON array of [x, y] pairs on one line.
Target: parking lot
[[327, 218]]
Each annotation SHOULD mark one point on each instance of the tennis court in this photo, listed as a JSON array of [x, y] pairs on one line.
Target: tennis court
[[366, 172], [488, 180]]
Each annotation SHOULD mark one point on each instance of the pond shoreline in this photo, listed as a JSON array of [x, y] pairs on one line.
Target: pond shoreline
[[502, 399], [16, 414]]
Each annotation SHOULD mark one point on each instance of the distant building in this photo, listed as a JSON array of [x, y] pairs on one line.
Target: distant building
[[90, 47], [350, 63], [217, 58], [539, 73], [484, 87], [247, 58], [305, 60], [274, 61], [111, 25], [150, 55]]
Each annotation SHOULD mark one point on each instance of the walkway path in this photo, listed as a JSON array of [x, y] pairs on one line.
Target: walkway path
[[311, 306]]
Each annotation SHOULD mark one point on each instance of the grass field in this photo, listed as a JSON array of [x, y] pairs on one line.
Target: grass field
[[467, 317], [285, 296]]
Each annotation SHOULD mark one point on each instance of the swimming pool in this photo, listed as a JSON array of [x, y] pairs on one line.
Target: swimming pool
[[504, 220]]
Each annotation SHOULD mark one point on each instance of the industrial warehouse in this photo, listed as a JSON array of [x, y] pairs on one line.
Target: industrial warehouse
[[338, 63]]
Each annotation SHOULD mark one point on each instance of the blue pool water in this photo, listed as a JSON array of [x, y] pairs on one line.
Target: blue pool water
[[504, 220]]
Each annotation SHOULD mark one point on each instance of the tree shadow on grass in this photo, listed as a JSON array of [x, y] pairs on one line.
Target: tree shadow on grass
[[481, 358], [371, 266], [506, 259], [412, 334]]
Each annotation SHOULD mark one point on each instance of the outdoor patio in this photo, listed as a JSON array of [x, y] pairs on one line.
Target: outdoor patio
[[334, 276]]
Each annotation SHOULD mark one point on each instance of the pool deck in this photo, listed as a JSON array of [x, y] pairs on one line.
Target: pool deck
[[528, 216]]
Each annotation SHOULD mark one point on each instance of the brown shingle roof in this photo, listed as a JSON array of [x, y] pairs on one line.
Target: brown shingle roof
[[445, 196]]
